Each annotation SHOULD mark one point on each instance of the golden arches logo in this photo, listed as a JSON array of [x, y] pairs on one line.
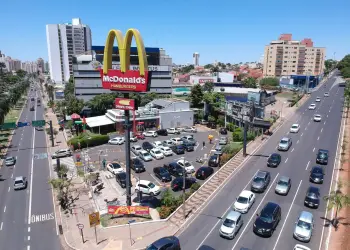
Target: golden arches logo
[[122, 210]]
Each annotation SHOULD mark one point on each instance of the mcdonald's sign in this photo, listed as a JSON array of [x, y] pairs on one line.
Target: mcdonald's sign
[[125, 79]]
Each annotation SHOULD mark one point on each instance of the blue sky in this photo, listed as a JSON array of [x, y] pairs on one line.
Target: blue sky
[[227, 30]]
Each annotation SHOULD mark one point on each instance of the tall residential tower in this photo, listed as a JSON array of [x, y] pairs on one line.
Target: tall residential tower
[[196, 59]]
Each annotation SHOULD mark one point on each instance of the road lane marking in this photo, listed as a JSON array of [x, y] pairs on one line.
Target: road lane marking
[[308, 123], [4, 209], [292, 149], [313, 150], [11, 175], [254, 214], [302, 134], [307, 165], [321, 130], [306, 128], [286, 160], [324, 123], [329, 111], [318, 138], [297, 141], [28, 247], [28, 237], [2, 223], [290, 208], [9, 189], [28, 229], [230, 207], [327, 116], [288, 133]]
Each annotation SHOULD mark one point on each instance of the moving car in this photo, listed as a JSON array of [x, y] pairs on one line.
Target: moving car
[[147, 146], [304, 226], [204, 172], [147, 187], [231, 225], [192, 129], [137, 165], [150, 133], [62, 153], [114, 168], [20, 182], [163, 132], [268, 219], [10, 161], [274, 160], [285, 144], [121, 179], [133, 138], [116, 141], [166, 151], [136, 149], [175, 169], [214, 161], [300, 247], [317, 118], [145, 155], [187, 165], [244, 201], [326, 94], [162, 174], [177, 183], [312, 106], [218, 149], [156, 153], [316, 174], [312, 197], [173, 131], [178, 149], [223, 141], [223, 131], [295, 128], [156, 144], [318, 99], [165, 243], [32, 108], [260, 181], [283, 185], [322, 156]]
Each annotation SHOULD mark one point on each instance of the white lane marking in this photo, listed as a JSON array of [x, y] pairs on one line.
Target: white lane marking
[[254, 214], [28, 237], [11, 175], [286, 160], [306, 128], [308, 123], [28, 229], [156, 179], [28, 247], [292, 150], [297, 141], [307, 165], [4, 209], [324, 123], [290, 208], [302, 134], [318, 138], [9, 189], [313, 150], [327, 116], [329, 111], [2, 223], [321, 130], [230, 207], [276, 147]]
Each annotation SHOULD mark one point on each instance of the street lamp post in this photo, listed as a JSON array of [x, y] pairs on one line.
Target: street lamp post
[[184, 188]]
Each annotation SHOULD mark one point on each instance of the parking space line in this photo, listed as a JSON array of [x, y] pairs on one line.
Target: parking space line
[[286, 160], [292, 149], [321, 130], [160, 184]]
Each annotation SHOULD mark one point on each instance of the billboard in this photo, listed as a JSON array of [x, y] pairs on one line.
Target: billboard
[[124, 79], [124, 104], [254, 97], [122, 210]]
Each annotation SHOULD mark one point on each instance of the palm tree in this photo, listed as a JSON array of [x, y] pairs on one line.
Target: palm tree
[[336, 200]]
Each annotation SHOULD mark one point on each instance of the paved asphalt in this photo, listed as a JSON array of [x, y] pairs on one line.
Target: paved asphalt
[[203, 232], [17, 231]]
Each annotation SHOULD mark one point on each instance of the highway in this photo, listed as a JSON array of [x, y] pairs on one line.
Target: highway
[[203, 232], [27, 216]]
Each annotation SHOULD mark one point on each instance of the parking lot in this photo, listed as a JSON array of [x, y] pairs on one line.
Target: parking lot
[[117, 152]]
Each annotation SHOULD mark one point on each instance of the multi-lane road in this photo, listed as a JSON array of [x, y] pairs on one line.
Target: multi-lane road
[[27, 218], [203, 231]]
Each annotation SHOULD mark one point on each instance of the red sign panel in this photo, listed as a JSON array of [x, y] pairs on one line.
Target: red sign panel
[[138, 210], [124, 104], [130, 81], [205, 80]]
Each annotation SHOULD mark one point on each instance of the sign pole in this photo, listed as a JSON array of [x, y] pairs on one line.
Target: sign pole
[[51, 134], [127, 154], [82, 235], [96, 235]]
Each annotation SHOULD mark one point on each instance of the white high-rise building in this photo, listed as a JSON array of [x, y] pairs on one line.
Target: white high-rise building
[[64, 41], [196, 59]]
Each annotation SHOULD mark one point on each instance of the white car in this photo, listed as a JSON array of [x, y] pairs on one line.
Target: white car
[[156, 153], [115, 168], [187, 165], [326, 94], [117, 141], [167, 143], [147, 187], [318, 99], [176, 141], [317, 118], [136, 149], [295, 128], [192, 129], [312, 106], [166, 150], [300, 247], [244, 201], [157, 144], [173, 131], [144, 155], [150, 133]]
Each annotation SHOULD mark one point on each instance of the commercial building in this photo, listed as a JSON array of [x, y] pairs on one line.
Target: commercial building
[[196, 59], [286, 57], [64, 41], [87, 78]]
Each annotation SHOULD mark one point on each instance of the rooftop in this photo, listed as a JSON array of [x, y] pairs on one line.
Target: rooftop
[[233, 90]]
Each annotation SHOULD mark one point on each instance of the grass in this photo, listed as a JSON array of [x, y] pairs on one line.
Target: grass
[[286, 95]]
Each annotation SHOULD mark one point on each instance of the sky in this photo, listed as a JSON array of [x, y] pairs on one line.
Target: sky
[[228, 31]]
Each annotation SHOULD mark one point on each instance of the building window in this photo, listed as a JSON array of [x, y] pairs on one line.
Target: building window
[[284, 70], [293, 70]]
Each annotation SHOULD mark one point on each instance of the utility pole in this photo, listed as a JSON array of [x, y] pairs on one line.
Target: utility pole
[[246, 123], [51, 134], [127, 154], [184, 189]]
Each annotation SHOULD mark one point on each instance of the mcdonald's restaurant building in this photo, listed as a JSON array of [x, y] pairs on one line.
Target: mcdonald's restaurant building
[[87, 78]]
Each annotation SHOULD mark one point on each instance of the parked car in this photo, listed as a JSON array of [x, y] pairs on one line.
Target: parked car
[[223, 131], [304, 226], [62, 153], [147, 187], [162, 174], [121, 179], [212, 125], [192, 129], [137, 165], [187, 165], [178, 149], [188, 138], [32, 108], [133, 138], [214, 161], [167, 143], [301, 247], [147, 146], [244, 201], [150, 133], [140, 136], [156, 144], [274, 160], [173, 131], [176, 141], [218, 149], [114, 168], [223, 141], [204, 172], [260, 181], [165, 243], [177, 183], [10, 161], [322, 156], [267, 220], [175, 169], [317, 174], [189, 146], [156, 153], [166, 151], [162, 132], [136, 149], [295, 128], [145, 155], [312, 197], [117, 141], [231, 225], [283, 185], [20, 182], [284, 144]]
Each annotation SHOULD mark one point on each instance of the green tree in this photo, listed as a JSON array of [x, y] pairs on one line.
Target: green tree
[[250, 82], [208, 86], [73, 105], [69, 88], [345, 72], [336, 200], [329, 64], [196, 96], [214, 100], [208, 66], [21, 73], [100, 103], [2, 66]]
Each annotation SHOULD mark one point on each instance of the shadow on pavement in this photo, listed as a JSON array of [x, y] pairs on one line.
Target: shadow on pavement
[[150, 201], [205, 247], [260, 155]]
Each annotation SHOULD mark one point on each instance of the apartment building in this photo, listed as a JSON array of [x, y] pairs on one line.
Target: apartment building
[[63, 42], [196, 59], [41, 65], [286, 57]]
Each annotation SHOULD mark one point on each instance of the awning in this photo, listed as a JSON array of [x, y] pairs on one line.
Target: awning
[[98, 121]]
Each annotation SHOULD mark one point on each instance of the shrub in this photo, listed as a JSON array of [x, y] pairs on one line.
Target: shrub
[[168, 199], [95, 140], [237, 135], [165, 211], [195, 187], [230, 127], [232, 148]]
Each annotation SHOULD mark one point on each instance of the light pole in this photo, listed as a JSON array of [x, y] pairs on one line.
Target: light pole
[[184, 188], [86, 154]]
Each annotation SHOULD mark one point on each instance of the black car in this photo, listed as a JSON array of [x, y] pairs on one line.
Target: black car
[[268, 219], [211, 125], [162, 174], [223, 131], [177, 183], [204, 172], [174, 169], [147, 146], [178, 149], [163, 132], [317, 174], [214, 161], [165, 243], [121, 179], [189, 146], [322, 156], [274, 160], [32, 108], [312, 197], [33, 99], [137, 165]]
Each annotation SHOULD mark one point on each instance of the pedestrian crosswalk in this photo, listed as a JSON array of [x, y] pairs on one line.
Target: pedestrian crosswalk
[[69, 162]]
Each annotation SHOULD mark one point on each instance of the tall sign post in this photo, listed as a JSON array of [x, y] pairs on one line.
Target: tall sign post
[[94, 219], [126, 81]]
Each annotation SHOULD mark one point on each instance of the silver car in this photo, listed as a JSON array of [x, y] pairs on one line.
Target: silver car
[[9, 161], [20, 182], [304, 226], [136, 149], [283, 185], [285, 144], [231, 225], [62, 153], [144, 155], [223, 141]]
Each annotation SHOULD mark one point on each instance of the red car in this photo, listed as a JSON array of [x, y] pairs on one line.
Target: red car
[[140, 136]]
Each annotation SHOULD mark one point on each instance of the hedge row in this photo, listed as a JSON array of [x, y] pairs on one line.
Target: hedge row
[[88, 140]]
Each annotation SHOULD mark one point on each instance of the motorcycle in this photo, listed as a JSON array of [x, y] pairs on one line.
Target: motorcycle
[[98, 188], [199, 160]]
